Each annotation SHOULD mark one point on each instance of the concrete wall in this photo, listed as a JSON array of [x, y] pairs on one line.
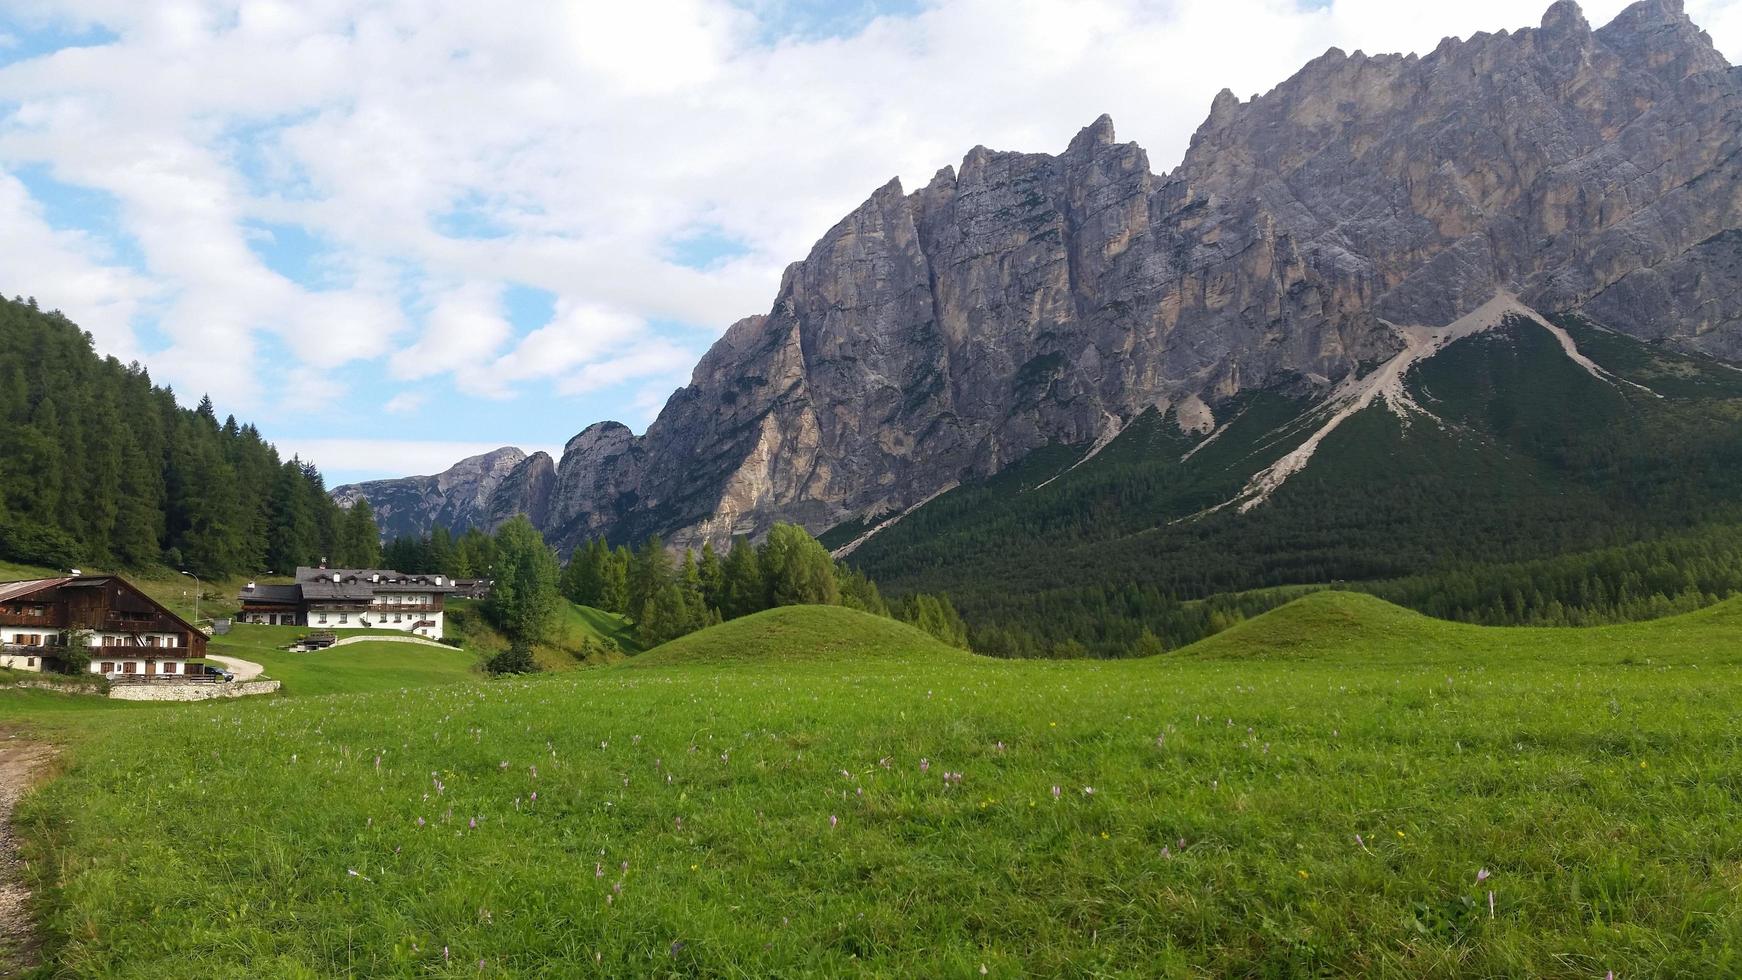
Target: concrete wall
[[190, 692]]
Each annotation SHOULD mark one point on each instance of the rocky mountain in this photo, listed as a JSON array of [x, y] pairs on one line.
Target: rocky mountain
[[479, 491], [1022, 300]]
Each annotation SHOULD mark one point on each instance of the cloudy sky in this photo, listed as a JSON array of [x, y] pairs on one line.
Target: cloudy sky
[[395, 232]]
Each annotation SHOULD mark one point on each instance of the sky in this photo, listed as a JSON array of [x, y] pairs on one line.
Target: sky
[[393, 233]]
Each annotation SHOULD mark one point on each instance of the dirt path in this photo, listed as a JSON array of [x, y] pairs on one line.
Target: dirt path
[[21, 762], [245, 670]]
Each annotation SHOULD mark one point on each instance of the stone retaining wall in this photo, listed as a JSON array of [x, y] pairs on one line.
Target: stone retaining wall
[[52, 686], [190, 692]]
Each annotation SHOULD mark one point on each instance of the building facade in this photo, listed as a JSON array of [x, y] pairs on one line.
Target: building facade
[[123, 630], [351, 599]]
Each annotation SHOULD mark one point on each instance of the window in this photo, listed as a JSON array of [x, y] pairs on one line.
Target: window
[[323, 619], [30, 661], [108, 666], [129, 667], [399, 617], [169, 667], [344, 618]]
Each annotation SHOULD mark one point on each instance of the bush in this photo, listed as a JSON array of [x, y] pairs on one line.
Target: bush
[[452, 641], [517, 659]]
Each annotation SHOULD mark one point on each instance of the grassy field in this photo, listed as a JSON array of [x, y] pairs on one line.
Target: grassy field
[[1339, 787], [353, 668]]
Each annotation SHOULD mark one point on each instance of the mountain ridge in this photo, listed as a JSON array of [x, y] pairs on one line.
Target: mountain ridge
[[1023, 300]]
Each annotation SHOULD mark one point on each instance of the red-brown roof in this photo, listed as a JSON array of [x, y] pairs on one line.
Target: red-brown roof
[[24, 587]]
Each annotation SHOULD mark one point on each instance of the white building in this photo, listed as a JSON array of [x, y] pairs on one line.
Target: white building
[[352, 599]]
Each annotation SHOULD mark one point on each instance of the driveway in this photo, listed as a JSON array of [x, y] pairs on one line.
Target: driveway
[[245, 670]]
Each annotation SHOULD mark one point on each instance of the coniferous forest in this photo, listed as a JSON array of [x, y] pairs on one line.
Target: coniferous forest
[[99, 467]]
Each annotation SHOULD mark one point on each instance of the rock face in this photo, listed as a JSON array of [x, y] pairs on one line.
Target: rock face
[[1026, 299], [464, 495]]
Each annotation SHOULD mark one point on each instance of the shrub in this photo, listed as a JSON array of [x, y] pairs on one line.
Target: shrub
[[517, 659]]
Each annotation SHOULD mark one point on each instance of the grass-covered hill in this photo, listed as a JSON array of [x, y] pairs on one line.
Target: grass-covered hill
[[790, 635], [1527, 489], [1340, 787], [1348, 627]]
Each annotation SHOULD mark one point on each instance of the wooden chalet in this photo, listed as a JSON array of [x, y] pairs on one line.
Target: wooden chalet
[[127, 632]]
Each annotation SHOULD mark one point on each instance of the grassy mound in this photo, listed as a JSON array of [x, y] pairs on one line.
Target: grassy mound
[[801, 634], [1353, 627], [1323, 623]]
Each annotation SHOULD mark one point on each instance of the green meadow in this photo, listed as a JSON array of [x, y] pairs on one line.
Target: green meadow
[[1339, 787]]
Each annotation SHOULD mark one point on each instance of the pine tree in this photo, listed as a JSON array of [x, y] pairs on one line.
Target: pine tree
[[664, 616], [614, 581], [649, 573], [361, 542], [440, 560], [524, 600], [741, 586], [797, 569], [712, 577]]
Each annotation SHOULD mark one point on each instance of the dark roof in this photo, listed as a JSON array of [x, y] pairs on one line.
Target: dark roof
[[353, 585], [24, 587], [14, 590], [289, 595]]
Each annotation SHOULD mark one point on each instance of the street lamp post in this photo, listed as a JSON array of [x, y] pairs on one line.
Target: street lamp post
[[198, 588]]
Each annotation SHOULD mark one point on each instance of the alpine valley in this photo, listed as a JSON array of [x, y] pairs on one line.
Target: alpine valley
[[1399, 319]]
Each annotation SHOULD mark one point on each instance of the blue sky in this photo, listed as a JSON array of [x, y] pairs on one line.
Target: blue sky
[[394, 233]]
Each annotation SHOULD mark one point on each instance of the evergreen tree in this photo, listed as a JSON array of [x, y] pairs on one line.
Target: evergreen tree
[[439, 558], [712, 577], [614, 581], [689, 581], [664, 616], [650, 572], [935, 615], [741, 586], [797, 569], [584, 578], [524, 600], [361, 541]]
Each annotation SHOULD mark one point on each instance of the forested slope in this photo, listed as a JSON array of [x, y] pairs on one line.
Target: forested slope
[[1528, 490], [100, 467]]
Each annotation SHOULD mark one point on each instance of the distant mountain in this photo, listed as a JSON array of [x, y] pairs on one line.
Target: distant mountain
[[1024, 302], [474, 492]]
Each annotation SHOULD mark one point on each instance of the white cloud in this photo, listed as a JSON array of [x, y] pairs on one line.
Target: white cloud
[[405, 403], [577, 335], [70, 270], [576, 141], [465, 328]]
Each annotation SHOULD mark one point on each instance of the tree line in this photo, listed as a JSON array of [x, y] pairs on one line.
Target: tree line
[[100, 467], [664, 593]]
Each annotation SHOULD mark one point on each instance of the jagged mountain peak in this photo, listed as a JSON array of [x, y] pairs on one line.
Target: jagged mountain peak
[[1021, 300]]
